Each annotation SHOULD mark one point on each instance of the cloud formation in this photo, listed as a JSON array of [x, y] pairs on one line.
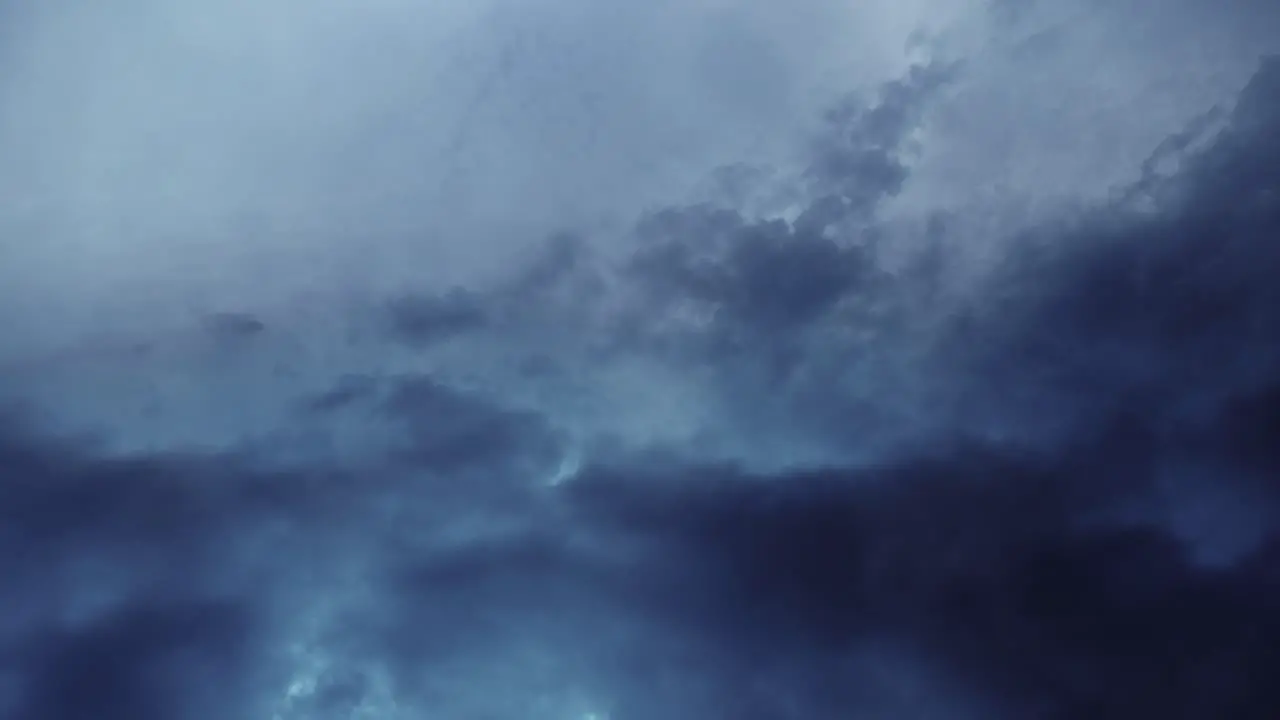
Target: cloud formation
[[796, 448]]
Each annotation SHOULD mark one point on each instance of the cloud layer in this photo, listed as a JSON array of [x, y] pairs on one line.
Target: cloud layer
[[826, 433]]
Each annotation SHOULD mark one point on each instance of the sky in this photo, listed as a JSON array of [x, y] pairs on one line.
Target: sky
[[595, 360]]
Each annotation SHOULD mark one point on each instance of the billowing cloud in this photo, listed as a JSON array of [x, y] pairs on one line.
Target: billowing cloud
[[911, 409]]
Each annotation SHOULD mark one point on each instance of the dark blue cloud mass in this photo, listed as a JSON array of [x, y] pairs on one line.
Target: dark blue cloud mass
[[741, 464]]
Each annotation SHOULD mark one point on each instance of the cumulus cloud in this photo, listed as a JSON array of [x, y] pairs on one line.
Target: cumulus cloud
[[832, 434]]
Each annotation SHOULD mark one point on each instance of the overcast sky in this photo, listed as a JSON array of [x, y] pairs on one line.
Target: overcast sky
[[587, 359]]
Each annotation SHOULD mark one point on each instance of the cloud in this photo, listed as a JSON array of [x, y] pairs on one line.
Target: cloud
[[1045, 568], [449, 431], [724, 461], [430, 319], [115, 594], [1004, 569], [141, 663]]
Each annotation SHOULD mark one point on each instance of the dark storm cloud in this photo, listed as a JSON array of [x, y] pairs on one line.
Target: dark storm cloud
[[1045, 571], [138, 586], [184, 660], [347, 391], [769, 279], [1004, 568], [1045, 574], [450, 431], [749, 298], [764, 278], [1126, 307], [775, 273], [150, 536], [1248, 428], [1042, 569], [864, 159], [426, 319]]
